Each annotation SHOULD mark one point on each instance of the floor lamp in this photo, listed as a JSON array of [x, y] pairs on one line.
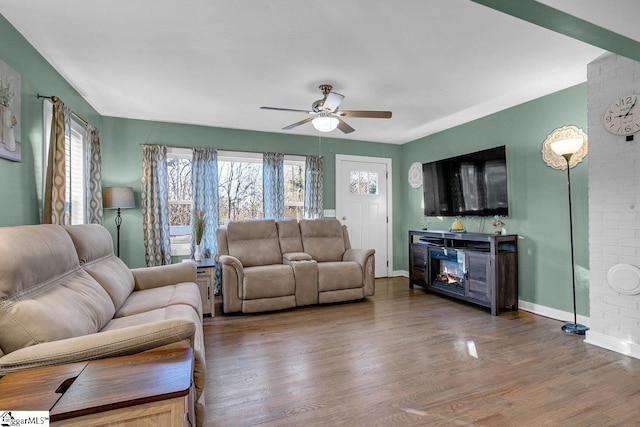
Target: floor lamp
[[567, 148], [118, 198]]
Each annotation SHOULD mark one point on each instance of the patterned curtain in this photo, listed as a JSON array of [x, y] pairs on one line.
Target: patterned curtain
[[313, 188], [204, 181], [93, 176], [54, 210], [273, 185], [155, 205]]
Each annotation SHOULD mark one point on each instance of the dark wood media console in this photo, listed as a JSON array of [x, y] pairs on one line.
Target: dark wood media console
[[474, 267]]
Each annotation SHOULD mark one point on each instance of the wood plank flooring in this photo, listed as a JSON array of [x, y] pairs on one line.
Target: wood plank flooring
[[408, 358]]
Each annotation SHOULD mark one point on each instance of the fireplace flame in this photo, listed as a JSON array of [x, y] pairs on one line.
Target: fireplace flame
[[448, 276]]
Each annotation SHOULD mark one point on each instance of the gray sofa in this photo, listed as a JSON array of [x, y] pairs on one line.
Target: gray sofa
[[65, 297], [274, 265]]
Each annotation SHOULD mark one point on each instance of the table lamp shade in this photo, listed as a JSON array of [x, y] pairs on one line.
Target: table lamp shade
[[118, 197]]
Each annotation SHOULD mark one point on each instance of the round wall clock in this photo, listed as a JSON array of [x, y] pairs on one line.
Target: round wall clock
[[415, 175], [623, 116]]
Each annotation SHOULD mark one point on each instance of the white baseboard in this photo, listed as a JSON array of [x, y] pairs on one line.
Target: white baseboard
[[552, 313], [612, 343], [400, 273]]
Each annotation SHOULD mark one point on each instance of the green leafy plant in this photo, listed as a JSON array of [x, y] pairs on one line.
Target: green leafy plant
[[198, 225]]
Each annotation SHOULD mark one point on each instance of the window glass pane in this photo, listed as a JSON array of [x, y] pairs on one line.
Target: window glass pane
[[179, 192], [293, 189], [240, 189], [373, 183], [354, 182]]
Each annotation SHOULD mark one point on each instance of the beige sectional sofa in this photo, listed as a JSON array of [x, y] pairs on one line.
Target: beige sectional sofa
[[65, 297], [274, 265]]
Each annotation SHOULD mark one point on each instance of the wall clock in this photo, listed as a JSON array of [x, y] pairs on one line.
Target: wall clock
[[623, 116], [415, 175]]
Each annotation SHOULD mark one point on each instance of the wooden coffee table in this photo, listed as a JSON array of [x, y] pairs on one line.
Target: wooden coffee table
[[152, 388]]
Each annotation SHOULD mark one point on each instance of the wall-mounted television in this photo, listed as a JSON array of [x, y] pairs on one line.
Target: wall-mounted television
[[473, 184]]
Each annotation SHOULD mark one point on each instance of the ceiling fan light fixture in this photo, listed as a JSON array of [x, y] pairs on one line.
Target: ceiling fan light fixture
[[325, 123]]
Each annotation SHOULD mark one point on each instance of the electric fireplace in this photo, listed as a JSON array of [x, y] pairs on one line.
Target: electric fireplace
[[447, 269]]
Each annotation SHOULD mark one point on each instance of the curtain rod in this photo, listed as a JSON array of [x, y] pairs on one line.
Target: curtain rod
[[223, 149], [73, 113]]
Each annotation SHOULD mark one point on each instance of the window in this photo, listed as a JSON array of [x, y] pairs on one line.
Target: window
[[363, 182], [180, 199], [75, 164], [240, 191], [240, 184]]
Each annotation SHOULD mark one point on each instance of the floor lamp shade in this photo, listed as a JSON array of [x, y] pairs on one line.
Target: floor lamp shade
[[118, 198]]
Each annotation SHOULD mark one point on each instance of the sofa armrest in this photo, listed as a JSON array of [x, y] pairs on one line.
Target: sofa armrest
[[116, 342], [163, 275], [366, 259], [358, 255], [232, 278]]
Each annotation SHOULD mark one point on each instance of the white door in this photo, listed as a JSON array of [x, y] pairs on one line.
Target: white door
[[363, 204]]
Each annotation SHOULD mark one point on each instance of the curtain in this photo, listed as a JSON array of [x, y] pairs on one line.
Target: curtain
[[273, 185], [313, 188], [93, 176], [155, 205], [54, 210], [204, 182]]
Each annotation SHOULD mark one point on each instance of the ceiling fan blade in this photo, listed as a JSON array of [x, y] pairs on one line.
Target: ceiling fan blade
[[332, 101], [360, 113], [296, 124], [344, 127], [286, 109]]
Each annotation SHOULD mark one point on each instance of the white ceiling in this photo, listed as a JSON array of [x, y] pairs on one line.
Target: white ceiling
[[433, 63]]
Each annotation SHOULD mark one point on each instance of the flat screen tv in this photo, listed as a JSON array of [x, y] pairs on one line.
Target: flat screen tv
[[473, 184]]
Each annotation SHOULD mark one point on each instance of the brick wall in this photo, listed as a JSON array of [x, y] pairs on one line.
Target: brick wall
[[614, 207]]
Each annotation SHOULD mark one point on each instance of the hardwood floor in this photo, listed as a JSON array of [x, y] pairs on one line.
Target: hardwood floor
[[408, 358]]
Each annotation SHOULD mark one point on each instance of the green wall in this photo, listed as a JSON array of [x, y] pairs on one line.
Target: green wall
[[537, 193], [122, 161], [538, 203], [21, 192]]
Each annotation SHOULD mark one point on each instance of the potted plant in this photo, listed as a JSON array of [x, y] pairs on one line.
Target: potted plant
[[198, 231]]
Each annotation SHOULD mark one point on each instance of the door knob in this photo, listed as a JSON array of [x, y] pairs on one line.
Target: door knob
[[344, 218]]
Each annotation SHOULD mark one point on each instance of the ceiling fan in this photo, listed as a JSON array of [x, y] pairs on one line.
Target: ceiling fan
[[325, 115]]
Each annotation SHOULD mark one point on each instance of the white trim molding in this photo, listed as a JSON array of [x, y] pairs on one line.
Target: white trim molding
[[612, 343], [552, 313]]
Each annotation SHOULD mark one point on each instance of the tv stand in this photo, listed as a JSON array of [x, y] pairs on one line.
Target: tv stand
[[474, 267]]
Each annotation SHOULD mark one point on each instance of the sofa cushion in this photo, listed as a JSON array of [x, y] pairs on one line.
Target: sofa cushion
[[289, 236], [268, 281], [333, 276], [178, 311], [254, 242], [94, 247], [164, 296], [44, 294], [322, 239]]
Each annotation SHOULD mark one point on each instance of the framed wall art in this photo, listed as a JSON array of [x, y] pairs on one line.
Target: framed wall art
[[10, 146]]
